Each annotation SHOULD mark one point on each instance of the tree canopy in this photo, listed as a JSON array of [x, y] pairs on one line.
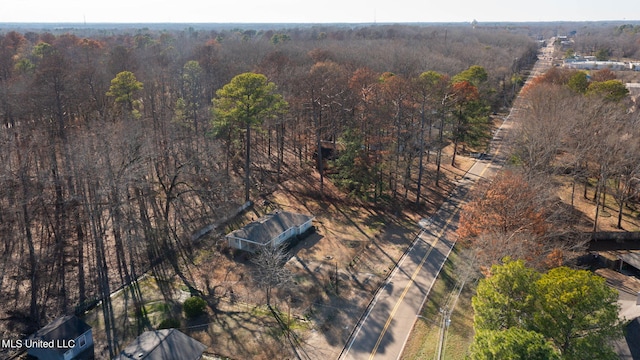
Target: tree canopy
[[475, 74], [578, 312], [612, 90], [123, 87], [510, 204], [574, 310], [355, 170], [512, 344], [579, 82], [509, 218], [246, 101], [505, 299]]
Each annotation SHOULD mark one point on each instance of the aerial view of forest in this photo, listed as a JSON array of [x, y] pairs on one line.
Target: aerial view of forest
[[133, 156]]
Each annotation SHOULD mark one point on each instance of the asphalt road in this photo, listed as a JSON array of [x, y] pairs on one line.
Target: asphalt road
[[390, 317], [387, 322]]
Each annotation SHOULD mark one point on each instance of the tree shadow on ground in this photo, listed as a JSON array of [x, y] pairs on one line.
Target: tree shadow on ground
[[252, 333]]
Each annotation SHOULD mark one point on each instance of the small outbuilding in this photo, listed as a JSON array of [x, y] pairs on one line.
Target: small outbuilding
[[270, 230], [166, 344], [65, 338], [630, 257]]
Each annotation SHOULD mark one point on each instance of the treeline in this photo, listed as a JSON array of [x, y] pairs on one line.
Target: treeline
[[616, 42], [575, 128], [111, 159], [594, 141]]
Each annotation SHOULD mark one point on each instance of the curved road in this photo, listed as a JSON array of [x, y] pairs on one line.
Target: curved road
[[385, 327]]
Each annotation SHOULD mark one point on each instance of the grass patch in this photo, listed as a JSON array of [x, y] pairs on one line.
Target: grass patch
[[425, 336], [261, 311], [161, 307], [460, 333], [293, 324]]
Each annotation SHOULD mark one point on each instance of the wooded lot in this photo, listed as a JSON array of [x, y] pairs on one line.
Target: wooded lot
[[119, 144]]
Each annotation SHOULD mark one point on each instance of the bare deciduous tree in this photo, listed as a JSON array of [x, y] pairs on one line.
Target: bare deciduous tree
[[270, 270]]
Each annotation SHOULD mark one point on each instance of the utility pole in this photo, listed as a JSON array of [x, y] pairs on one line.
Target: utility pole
[[443, 328], [337, 277]]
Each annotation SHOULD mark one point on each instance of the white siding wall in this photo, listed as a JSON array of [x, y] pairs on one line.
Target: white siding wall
[[296, 230], [235, 243], [304, 227]]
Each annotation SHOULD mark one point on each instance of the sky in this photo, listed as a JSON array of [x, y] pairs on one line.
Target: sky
[[323, 11]]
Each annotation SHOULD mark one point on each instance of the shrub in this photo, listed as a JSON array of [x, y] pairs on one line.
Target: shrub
[[194, 306]]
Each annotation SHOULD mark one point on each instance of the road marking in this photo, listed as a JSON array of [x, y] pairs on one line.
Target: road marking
[[406, 288]]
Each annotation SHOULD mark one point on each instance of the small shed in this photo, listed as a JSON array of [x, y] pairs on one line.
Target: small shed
[[166, 344], [632, 258], [270, 230], [65, 338]]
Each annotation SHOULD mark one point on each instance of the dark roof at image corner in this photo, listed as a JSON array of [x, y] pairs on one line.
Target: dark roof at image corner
[[65, 327], [162, 345], [270, 226]]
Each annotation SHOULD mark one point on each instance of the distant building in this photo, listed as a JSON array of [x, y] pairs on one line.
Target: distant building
[[270, 230], [595, 65], [167, 344], [634, 88], [71, 337], [563, 40]]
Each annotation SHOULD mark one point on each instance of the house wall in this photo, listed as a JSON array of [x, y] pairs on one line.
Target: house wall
[[80, 346], [291, 232], [44, 354], [304, 227], [250, 247], [243, 244], [235, 243], [284, 236], [77, 352]]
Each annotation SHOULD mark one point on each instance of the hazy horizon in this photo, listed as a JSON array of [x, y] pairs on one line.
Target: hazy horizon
[[329, 12]]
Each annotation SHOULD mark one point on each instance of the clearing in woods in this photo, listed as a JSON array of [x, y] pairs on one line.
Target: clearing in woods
[[317, 309]]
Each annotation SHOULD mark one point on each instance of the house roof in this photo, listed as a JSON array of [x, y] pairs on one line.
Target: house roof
[[62, 328], [631, 257], [162, 345], [270, 226]]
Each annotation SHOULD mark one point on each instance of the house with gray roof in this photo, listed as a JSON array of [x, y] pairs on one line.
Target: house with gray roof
[[166, 344], [65, 338], [270, 230]]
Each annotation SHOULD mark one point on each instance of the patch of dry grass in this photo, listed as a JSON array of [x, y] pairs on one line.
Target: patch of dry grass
[[424, 339]]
